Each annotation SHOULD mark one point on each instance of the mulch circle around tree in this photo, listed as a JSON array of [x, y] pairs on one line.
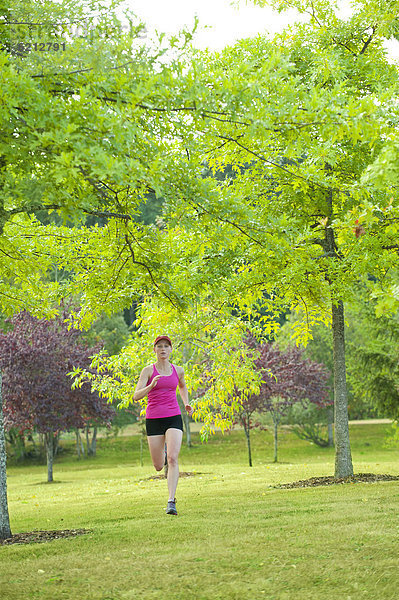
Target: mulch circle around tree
[[34, 537], [331, 480]]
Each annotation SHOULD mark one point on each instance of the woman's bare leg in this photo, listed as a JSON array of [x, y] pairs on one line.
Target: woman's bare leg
[[156, 444], [173, 442]]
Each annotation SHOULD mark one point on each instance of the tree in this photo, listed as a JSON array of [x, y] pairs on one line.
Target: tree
[[58, 155], [111, 332], [318, 348], [35, 357], [299, 227], [5, 528], [288, 378], [373, 365], [86, 130], [309, 423], [305, 110], [207, 342]]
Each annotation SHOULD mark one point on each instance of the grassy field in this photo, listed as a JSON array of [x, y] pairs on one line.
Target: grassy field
[[236, 536]]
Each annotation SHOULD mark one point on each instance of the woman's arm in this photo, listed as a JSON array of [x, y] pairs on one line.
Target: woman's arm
[[184, 391], [142, 388]]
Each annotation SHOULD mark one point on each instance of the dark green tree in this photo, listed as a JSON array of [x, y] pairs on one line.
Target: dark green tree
[[373, 365]]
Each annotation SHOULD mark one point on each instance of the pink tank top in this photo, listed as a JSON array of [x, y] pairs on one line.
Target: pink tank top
[[162, 400]]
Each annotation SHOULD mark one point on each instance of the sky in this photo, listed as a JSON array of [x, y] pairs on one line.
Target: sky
[[221, 23]]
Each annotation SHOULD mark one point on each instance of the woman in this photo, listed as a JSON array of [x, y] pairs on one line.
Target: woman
[[163, 416]]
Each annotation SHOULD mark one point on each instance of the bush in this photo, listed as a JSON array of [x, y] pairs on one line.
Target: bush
[[310, 422]]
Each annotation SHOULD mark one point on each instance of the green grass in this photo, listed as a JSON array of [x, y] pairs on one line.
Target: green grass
[[236, 537]]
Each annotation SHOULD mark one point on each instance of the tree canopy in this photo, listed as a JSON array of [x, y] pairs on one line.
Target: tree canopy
[[36, 356], [85, 134], [308, 114], [288, 378], [312, 115]]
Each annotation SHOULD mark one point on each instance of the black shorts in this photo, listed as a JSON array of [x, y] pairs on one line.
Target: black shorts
[[161, 425]]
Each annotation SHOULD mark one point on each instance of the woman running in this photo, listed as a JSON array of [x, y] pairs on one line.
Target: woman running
[[163, 416]]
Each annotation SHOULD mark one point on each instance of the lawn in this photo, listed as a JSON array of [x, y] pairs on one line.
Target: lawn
[[236, 536]]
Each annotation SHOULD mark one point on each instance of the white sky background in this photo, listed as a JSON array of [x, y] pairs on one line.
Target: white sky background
[[221, 23]]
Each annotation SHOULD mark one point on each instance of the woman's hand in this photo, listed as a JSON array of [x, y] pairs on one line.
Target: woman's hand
[[189, 410], [154, 381]]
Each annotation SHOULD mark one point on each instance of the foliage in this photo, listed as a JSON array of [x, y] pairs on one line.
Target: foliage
[[207, 343], [35, 358], [110, 332], [57, 110], [57, 154], [288, 378], [122, 418], [310, 423], [307, 149], [393, 437], [372, 350], [16, 440], [319, 346], [373, 365], [309, 111]]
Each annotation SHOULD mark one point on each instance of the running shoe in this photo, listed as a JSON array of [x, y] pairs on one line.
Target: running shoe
[[171, 508]]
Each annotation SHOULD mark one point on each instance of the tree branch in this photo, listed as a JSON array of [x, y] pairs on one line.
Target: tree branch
[[96, 213], [270, 162], [30, 209], [319, 241], [115, 279], [137, 262], [368, 41], [107, 214], [130, 62], [224, 220]]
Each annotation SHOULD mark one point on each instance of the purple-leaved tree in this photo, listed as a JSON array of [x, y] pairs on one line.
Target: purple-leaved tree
[[287, 378], [36, 356]]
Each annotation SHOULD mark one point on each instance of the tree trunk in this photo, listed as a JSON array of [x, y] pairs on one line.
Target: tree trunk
[[50, 455], [79, 444], [22, 447], [17, 442], [330, 417], [186, 421], [5, 530], [93, 445], [87, 441], [343, 457], [247, 433], [275, 423], [94, 442]]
